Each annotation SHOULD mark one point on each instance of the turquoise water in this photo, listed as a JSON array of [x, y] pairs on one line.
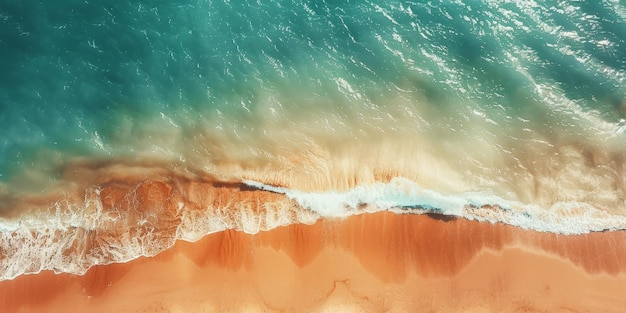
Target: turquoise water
[[82, 77]]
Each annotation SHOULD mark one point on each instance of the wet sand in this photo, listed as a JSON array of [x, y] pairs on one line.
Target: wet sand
[[381, 262]]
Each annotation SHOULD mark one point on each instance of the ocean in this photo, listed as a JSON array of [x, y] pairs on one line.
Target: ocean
[[130, 125]]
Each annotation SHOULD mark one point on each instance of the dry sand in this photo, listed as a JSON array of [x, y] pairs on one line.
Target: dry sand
[[379, 262]]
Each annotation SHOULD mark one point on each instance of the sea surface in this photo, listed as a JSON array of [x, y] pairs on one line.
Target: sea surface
[[501, 111]]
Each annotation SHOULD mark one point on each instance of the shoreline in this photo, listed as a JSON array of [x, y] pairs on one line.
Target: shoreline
[[364, 263]]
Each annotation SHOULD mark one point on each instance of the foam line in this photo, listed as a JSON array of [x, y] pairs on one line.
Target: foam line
[[117, 223], [402, 195]]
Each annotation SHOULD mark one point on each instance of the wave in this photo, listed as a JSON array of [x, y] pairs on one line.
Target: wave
[[123, 218], [404, 196]]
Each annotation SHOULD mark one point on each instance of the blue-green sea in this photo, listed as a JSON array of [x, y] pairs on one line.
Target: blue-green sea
[[72, 71]]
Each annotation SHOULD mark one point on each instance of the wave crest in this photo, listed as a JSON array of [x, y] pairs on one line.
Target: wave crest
[[141, 212]]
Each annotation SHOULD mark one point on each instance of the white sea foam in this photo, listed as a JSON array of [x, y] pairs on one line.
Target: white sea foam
[[57, 239], [402, 195]]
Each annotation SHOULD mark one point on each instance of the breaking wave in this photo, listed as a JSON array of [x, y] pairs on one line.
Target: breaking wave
[[117, 222]]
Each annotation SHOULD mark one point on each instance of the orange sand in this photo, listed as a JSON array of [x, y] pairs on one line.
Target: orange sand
[[380, 262]]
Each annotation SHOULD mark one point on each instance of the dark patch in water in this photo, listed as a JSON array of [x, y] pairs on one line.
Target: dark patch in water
[[238, 185], [441, 217]]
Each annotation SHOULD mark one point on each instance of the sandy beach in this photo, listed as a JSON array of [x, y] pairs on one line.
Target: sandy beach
[[381, 262]]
